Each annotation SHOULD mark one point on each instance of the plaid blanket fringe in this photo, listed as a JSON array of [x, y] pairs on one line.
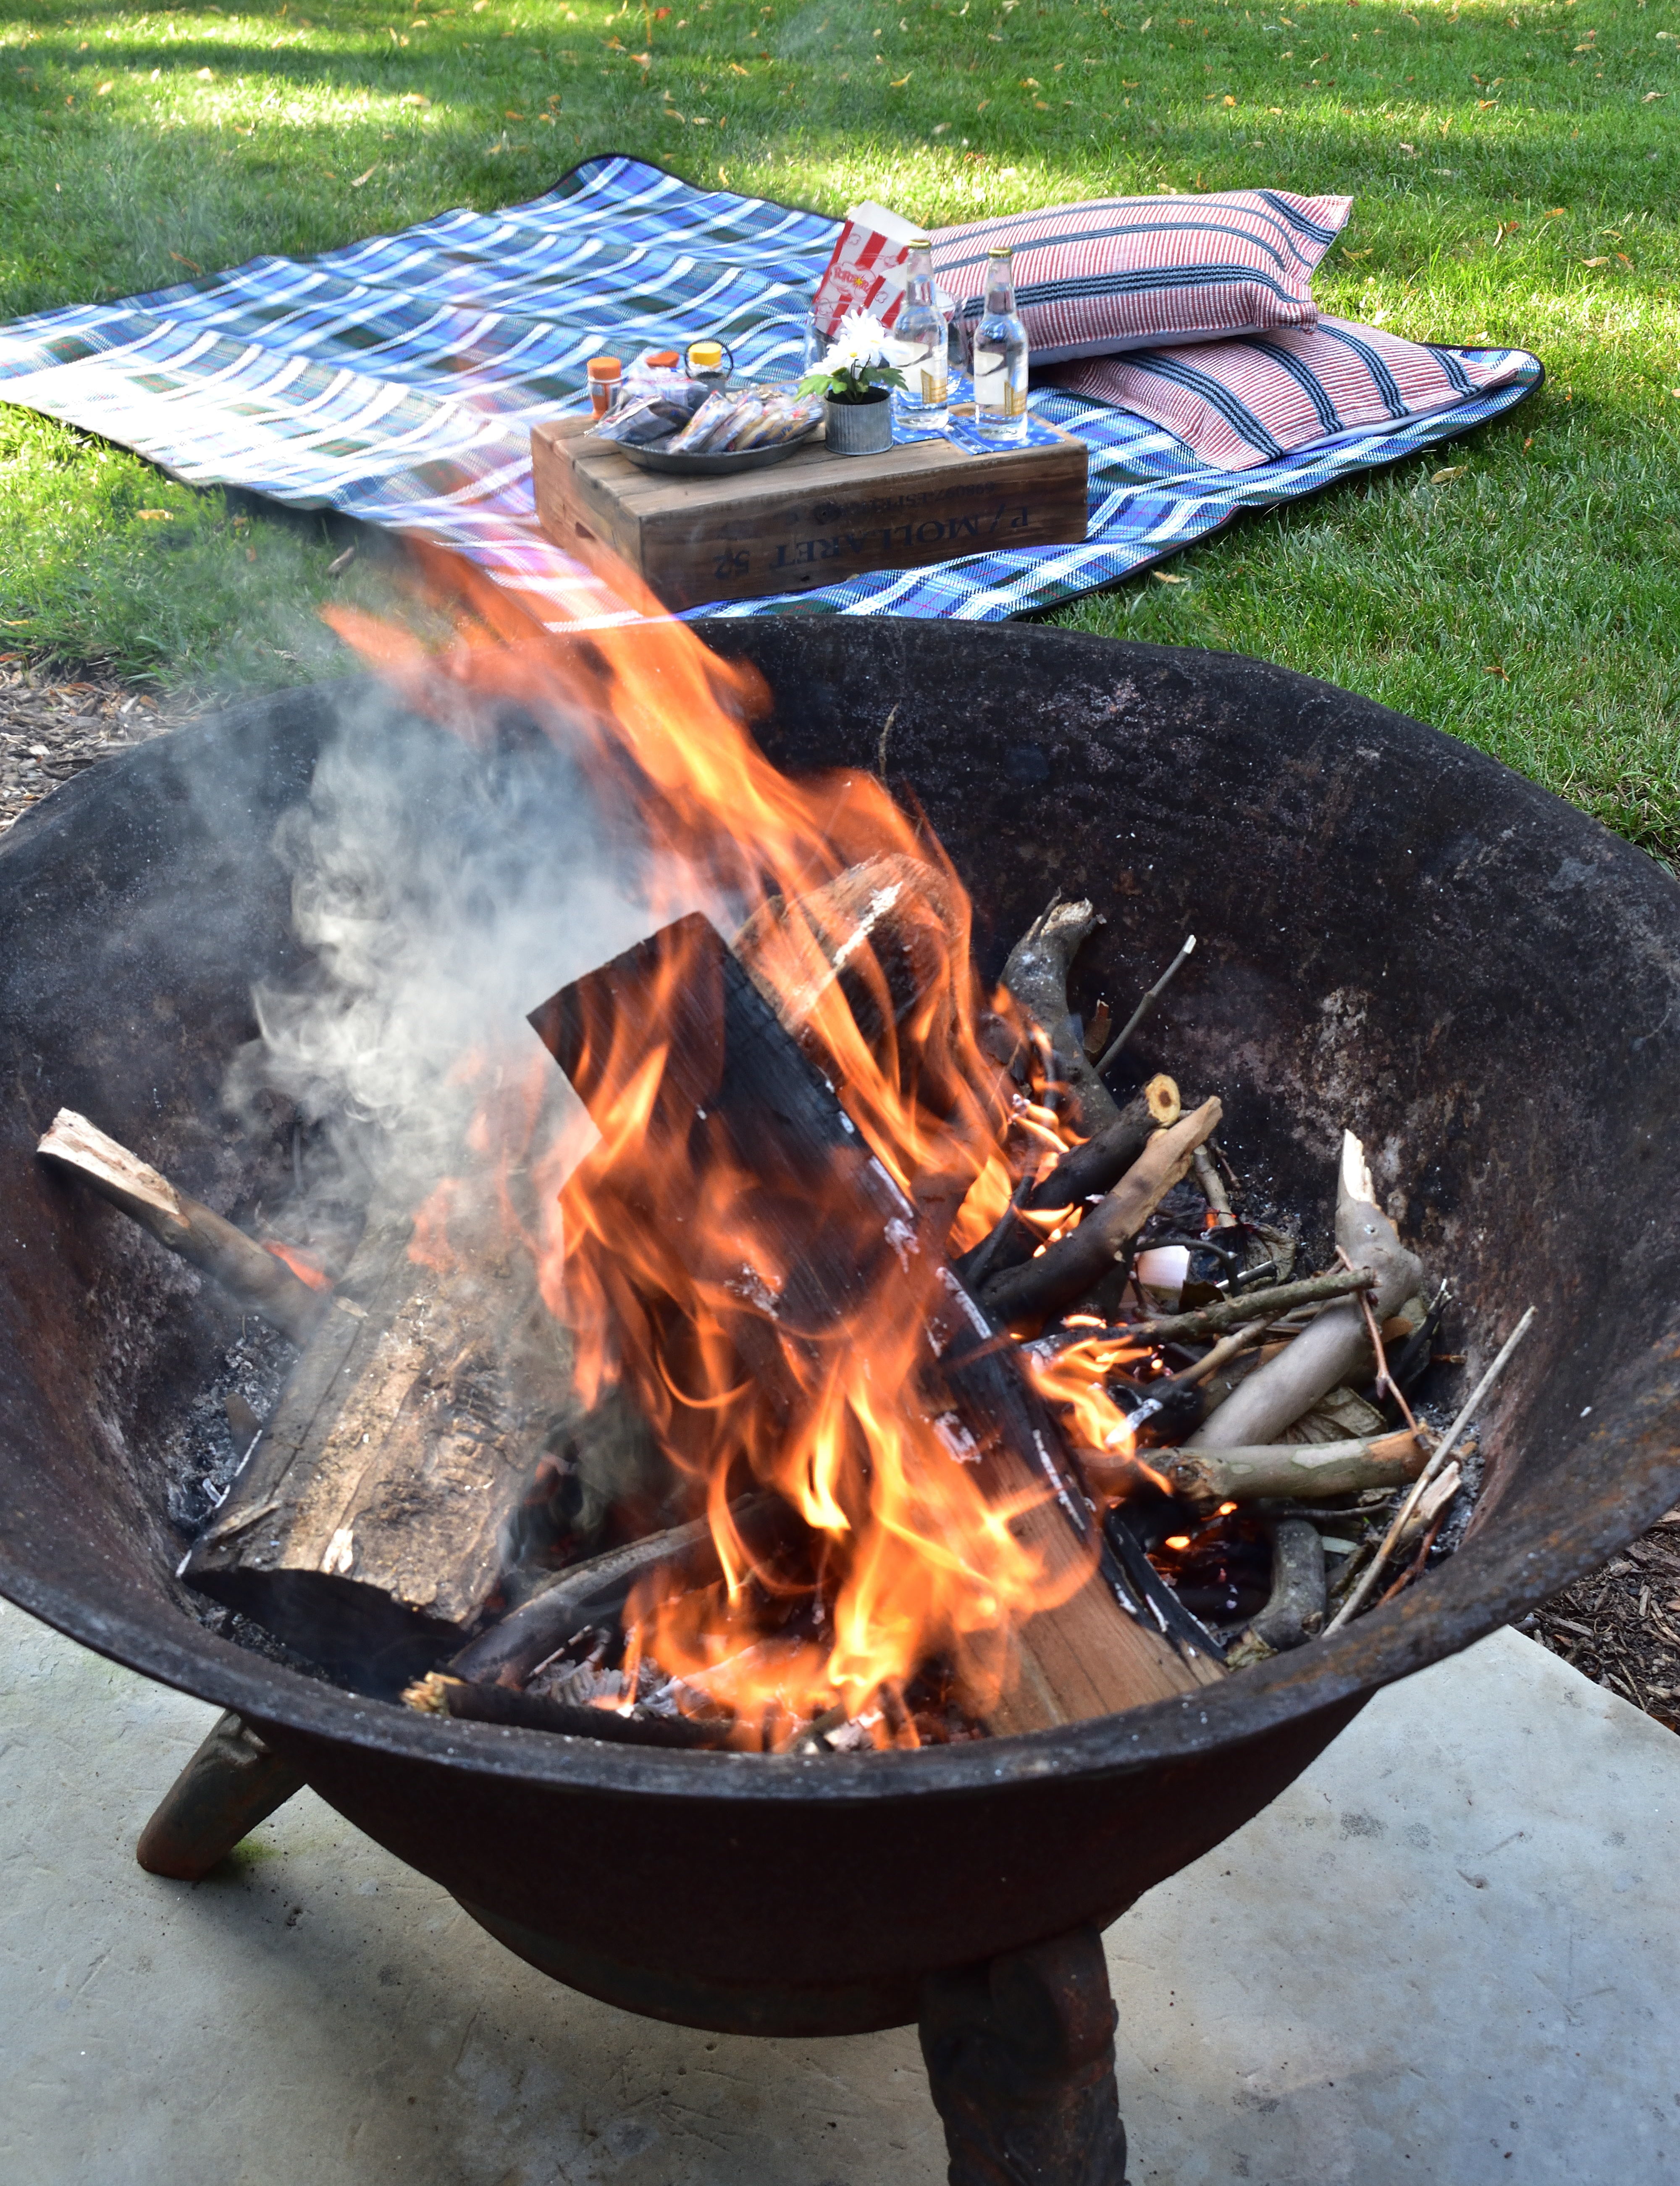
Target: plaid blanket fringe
[[397, 379]]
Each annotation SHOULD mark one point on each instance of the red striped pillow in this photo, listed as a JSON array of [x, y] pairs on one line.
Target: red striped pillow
[[1240, 403], [1119, 273]]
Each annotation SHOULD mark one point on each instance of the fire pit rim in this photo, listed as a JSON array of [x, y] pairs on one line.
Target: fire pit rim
[[1458, 1608]]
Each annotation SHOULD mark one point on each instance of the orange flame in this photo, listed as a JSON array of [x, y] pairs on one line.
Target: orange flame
[[857, 930], [307, 1270]]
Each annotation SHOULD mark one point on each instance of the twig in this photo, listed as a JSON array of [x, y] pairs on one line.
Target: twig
[[1212, 1186], [975, 1268], [1416, 1566], [1147, 1004], [1443, 1451], [881, 749], [1232, 1313], [1210, 1363]]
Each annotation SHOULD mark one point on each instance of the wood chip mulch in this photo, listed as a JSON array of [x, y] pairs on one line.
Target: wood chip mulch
[[1619, 1626], [51, 731]]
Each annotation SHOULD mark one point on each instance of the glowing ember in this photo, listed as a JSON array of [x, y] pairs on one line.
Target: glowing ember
[[300, 1262]]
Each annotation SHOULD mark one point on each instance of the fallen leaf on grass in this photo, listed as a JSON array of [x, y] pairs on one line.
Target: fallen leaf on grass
[[1229, 101], [99, 91], [193, 262], [414, 98], [360, 179], [739, 70], [1356, 255], [1595, 261], [155, 515], [899, 82], [340, 562], [1651, 95], [1496, 670], [1165, 577], [1452, 471]]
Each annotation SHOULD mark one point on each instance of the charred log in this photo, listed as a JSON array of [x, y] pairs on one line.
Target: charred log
[[1065, 1270], [1295, 1610], [1100, 1163], [881, 935], [437, 1695], [1036, 974]]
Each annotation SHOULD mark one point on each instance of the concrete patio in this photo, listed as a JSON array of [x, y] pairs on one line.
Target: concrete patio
[[1450, 1953]]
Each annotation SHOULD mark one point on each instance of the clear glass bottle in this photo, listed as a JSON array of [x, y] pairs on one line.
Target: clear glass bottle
[[921, 347], [1001, 356], [812, 340]]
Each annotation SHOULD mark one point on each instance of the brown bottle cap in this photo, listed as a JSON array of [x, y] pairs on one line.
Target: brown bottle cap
[[603, 367], [660, 358]]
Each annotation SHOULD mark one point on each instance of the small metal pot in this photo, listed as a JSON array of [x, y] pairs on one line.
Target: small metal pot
[[861, 428]]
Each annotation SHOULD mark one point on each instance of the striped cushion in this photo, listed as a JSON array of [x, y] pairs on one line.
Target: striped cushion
[[1240, 403], [1123, 272]]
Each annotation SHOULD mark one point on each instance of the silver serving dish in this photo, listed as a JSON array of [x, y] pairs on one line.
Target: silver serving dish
[[703, 465]]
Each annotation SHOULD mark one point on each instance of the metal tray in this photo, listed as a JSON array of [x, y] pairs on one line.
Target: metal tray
[[707, 466]]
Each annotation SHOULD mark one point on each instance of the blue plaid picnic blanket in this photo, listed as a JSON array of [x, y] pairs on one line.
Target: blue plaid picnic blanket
[[397, 380]]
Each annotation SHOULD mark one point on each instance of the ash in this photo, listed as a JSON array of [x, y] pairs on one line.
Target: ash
[[204, 1451]]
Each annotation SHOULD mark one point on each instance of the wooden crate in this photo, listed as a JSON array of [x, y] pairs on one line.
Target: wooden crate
[[814, 520]]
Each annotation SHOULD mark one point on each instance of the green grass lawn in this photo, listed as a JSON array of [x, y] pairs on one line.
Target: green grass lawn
[[1514, 167]]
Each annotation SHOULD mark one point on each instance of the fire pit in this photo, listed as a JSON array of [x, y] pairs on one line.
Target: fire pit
[[1397, 934]]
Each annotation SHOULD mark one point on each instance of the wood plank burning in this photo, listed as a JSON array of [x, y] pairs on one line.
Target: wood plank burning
[[828, 1226]]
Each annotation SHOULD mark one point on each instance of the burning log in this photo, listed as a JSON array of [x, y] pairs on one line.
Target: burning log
[[882, 933], [595, 1593], [1084, 1171], [1290, 1469], [1065, 1270], [256, 1279], [807, 1227], [1336, 1347], [367, 1525], [438, 1694], [1036, 974]]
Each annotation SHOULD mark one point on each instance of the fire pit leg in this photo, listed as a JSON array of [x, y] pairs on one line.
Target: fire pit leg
[[231, 1784], [1020, 2055]]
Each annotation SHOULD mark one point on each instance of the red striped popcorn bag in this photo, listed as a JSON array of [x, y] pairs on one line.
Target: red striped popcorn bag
[[866, 270]]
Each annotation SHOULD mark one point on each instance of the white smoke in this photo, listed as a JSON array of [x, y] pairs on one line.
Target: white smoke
[[441, 893]]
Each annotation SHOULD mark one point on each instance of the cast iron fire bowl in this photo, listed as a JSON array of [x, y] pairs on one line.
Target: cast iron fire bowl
[[1397, 934]]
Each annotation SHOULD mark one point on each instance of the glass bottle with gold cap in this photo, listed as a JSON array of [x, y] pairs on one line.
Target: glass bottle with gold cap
[[921, 346], [1001, 356]]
